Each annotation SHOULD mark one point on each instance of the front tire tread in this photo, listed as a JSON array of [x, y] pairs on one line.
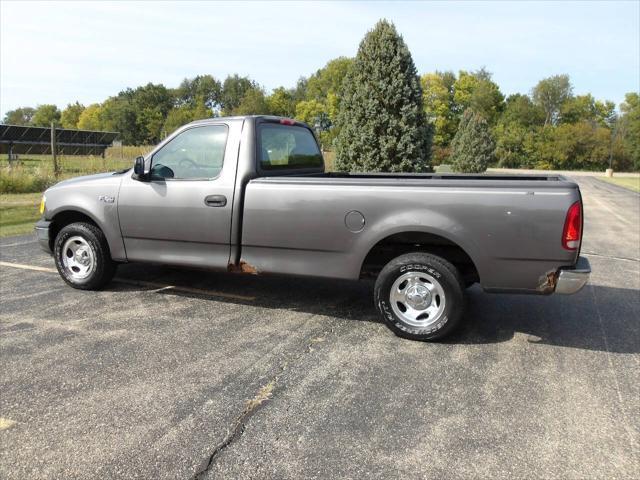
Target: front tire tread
[[105, 266]]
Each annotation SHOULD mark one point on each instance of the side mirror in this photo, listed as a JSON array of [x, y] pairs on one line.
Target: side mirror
[[139, 168]]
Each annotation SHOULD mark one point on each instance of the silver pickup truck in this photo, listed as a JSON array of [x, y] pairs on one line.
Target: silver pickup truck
[[250, 195]]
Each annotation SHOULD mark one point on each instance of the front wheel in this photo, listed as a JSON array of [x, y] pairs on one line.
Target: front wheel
[[420, 296], [82, 256]]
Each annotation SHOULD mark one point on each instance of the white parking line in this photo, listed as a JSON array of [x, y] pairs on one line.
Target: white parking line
[[158, 287], [610, 257], [28, 267], [16, 244], [603, 205]]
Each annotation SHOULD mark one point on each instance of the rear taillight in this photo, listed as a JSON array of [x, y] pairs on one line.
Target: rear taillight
[[287, 121], [572, 227]]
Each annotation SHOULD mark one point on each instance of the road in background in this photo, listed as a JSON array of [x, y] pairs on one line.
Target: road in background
[[567, 173], [173, 372]]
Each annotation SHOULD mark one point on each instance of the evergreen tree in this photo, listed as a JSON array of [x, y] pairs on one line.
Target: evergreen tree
[[381, 122], [472, 149]]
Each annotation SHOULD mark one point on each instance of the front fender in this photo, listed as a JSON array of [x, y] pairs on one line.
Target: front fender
[[96, 200]]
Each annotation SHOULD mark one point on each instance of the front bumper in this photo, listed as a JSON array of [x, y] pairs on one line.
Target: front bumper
[[572, 279], [42, 234]]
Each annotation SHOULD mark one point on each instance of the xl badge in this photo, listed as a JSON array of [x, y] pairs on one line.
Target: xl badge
[[106, 198]]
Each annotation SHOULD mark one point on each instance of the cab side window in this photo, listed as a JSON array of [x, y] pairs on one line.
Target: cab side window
[[196, 153], [287, 147]]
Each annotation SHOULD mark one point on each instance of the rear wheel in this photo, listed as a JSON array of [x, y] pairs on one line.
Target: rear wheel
[[420, 296], [82, 256]]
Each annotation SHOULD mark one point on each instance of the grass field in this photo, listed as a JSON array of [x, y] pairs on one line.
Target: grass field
[[69, 166], [18, 213], [632, 183], [34, 173]]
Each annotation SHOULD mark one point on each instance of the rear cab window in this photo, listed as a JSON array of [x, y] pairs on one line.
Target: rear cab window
[[286, 148]]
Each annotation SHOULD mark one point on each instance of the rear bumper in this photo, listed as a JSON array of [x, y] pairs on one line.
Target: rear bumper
[[572, 279], [42, 234]]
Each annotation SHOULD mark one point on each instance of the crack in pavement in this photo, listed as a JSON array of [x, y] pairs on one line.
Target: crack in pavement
[[252, 406], [240, 423]]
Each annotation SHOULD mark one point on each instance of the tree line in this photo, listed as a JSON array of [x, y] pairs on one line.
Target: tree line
[[379, 114]]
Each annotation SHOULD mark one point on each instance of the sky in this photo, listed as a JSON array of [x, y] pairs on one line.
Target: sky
[[60, 52]]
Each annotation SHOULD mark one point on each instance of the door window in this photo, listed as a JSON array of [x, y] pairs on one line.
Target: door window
[[196, 153]]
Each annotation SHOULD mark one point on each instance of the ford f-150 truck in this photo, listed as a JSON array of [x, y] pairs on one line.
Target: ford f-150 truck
[[251, 195]]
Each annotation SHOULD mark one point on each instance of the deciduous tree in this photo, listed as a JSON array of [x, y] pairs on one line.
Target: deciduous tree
[[45, 114], [253, 103], [520, 110], [550, 93], [439, 105], [281, 102], [307, 111], [70, 115], [631, 125], [19, 116], [233, 90], [90, 118], [202, 90], [476, 90], [328, 80], [585, 108], [117, 114]]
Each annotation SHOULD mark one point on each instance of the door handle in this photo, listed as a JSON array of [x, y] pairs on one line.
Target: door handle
[[215, 200]]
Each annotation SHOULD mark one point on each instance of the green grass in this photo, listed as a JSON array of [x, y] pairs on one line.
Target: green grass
[[22, 183], [18, 213], [34, 173], [69, 166], [632, 183]]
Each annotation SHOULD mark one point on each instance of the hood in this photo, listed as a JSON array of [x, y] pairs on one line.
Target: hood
[[87, 179]]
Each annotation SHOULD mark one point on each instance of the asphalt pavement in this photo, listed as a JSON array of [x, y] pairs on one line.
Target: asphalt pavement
[[172, 374]]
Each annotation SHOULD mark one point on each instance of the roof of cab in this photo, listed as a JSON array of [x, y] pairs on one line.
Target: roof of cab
[[240, 118]]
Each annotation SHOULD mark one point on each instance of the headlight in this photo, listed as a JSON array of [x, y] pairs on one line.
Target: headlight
[[42, 204]]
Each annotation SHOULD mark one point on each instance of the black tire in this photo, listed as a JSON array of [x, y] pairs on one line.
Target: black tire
[[103, 268], [449, 282]]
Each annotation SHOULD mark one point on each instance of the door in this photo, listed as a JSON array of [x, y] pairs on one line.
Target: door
[[182, 215]]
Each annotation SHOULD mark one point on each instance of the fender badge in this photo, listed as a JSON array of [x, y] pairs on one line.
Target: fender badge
[[106, 198]]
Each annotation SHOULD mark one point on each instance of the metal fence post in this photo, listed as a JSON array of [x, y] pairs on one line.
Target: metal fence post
[[56, 167]]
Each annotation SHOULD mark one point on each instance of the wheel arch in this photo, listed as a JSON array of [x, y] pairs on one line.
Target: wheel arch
[[67, 216], [397, 243]]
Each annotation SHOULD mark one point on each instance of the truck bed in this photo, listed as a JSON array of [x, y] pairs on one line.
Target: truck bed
[[423, 179], [509, 225], [442, 176]]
